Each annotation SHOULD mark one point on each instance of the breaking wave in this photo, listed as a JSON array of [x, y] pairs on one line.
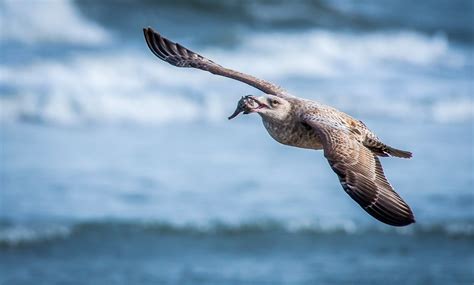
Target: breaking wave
[[18, 235], [327, 54], [52, 21], [130, 87], [12, 235]]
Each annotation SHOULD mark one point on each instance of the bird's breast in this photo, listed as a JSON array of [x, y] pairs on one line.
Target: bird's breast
[[293, 134]]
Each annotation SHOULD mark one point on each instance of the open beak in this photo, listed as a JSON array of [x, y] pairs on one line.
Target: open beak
[[247, 104]]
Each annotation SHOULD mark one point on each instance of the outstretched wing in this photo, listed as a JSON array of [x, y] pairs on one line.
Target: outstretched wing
[[360, 173], [179, 56]]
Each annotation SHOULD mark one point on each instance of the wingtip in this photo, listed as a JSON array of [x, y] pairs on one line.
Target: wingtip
[[408, 221], [397, 215], [151, 37], [403, 223], [145, 31], [149, 30]]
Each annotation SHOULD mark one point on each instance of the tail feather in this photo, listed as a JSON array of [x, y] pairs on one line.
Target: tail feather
[[398, 153], [381, 149]]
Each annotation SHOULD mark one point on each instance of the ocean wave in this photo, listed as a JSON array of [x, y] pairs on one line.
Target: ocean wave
[[14, 235], [104, 89], [127, 87], [19, 235], [328, 54], [453, 110], [51, 21], [229, 17]]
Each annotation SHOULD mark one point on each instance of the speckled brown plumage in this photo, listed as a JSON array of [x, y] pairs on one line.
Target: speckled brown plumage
[[351, 149]]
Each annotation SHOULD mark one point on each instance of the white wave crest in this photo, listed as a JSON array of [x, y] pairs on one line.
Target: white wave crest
[[126, 87], [47, 21], [19, 234], [105, 89], [453, 110], [329, 54]]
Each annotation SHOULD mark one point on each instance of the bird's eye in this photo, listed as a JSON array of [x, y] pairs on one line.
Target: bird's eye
[[275, 102]]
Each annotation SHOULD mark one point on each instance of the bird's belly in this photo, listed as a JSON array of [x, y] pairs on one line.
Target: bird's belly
[[294, 135]]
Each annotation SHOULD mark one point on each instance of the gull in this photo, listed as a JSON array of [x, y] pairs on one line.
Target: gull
[[351, 149]]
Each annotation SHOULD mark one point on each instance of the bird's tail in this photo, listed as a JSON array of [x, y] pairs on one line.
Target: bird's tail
[[381, 149], [397, 152]]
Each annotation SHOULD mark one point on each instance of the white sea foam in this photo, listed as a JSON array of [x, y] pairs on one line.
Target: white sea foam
[[18, 234], [47, 21], [453, 110], [127, 87], [104, 89], [328, 54]]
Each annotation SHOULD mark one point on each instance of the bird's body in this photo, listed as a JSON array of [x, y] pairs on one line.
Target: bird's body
[[292, 131], [351, 149], [293, 134]]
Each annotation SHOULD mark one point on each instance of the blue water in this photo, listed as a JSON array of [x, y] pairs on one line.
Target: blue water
[[119, 169]]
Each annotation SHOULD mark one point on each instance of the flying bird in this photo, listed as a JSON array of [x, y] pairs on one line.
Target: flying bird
[[351, 149]]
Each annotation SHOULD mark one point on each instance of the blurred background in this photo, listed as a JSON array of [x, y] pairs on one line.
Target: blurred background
[[117, 168]]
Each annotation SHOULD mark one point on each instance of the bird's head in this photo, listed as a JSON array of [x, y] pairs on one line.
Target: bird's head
[[269, 107]]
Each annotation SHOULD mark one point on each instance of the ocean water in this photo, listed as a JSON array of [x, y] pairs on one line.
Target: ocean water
[[117, 168]]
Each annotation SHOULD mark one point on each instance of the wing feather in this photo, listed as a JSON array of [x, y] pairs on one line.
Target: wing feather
[[360, 173], [177, 55]]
